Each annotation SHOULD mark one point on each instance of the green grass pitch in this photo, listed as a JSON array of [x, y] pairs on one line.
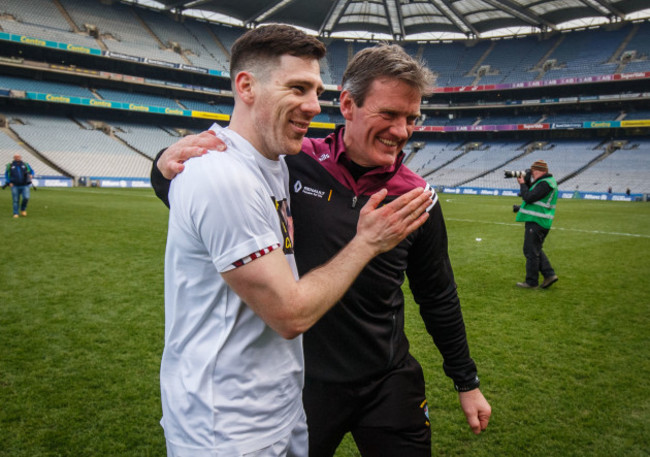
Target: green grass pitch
[[566, 369]]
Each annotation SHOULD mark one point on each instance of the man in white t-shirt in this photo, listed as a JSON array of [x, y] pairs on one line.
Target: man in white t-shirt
[[232, 368]]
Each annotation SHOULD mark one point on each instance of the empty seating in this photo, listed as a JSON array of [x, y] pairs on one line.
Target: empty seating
[[8, 148], [35, 12], [145, 138], [623, 169], [80, 152]]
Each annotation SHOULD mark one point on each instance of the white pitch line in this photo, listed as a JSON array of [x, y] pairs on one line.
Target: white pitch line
[[104, 191], [595, 232]]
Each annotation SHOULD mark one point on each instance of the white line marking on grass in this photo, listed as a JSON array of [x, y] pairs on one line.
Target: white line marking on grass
[[104, 191], [510, 224]]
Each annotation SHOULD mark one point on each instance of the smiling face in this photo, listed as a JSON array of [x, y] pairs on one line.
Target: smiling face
[[377, 131], [285, 102]]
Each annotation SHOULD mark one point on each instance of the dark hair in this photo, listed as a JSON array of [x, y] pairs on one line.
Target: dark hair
[[384, 60], [263, 45]]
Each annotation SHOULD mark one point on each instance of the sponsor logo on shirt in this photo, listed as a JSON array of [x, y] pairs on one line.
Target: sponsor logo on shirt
[[298, 188]]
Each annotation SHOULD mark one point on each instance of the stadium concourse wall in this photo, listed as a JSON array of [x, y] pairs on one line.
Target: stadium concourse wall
[[617, 197], [117, 182]]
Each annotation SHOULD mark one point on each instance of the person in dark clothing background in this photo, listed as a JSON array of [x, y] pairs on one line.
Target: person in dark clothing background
[[18, 175], [537, 211], [359, 374]]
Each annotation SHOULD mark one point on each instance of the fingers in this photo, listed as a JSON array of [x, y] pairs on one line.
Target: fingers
[[408, 209], [474, 424], [484, 420], [171, 161], [176, 168], [419, 220], [375, 200], [412, 205], [206, 140], [384, 226]]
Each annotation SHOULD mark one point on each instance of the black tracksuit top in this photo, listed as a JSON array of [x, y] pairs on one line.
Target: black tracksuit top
[[363, 336]]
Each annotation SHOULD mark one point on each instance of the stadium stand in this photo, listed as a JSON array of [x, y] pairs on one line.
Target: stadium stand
[[622, 168], [78, 150], [9, 147], [475, 158], [120, 29], [47, 87], [564, 157], [183, 39], [136, 98], [585, 54], [582, 159], [453, 63], [41, 13], [513, 60], [145, 138], [434, 155]]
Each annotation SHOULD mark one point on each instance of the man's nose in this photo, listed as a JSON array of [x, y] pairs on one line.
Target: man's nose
[[311, 105], [401, 128]]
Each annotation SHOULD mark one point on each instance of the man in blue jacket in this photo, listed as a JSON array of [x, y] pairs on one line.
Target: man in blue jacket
[[18, 175]]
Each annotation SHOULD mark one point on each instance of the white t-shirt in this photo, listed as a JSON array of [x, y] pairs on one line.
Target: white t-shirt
[[229, 383]]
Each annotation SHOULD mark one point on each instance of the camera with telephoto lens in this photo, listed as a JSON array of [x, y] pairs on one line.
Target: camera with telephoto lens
[[526, 174], [515, 174]]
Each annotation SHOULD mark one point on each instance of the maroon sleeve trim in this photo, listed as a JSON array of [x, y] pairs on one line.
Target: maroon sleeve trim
[[255, 255]]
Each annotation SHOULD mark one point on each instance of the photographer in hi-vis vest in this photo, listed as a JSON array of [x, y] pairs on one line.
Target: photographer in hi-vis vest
[[537, 212]]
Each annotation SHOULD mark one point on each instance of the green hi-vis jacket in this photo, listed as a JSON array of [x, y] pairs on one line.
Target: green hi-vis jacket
[[541, 211]]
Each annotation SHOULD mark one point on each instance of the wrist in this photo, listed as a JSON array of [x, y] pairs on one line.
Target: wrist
[[364, 249], [467, 386]]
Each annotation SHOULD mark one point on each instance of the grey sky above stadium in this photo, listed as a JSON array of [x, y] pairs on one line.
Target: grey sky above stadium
[[412, 19]]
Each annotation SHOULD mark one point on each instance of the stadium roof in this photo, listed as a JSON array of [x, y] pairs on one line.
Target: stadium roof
[[411, 19]]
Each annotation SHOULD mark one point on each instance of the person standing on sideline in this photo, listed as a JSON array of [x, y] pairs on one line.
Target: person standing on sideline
[[231, 372], [359, 374], [18, 175], [537, 211]]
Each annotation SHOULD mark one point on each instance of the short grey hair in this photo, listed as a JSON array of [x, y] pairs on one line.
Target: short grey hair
[[385, 61]]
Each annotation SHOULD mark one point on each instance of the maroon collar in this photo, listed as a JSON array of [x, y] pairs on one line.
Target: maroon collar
[[338, 161]]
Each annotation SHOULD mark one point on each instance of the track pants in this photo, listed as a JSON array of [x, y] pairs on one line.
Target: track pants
[[387, 416]]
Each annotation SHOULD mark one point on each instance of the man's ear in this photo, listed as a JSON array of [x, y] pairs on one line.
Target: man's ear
[[245, 85], [347, 105]]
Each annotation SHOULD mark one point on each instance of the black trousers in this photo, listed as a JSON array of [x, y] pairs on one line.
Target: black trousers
[[388, 416], [536, 260]]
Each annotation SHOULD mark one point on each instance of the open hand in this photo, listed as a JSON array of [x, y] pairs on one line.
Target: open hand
[[383, 227]]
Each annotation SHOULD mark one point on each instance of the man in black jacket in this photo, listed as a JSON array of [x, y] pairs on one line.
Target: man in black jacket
[[359, 375]]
